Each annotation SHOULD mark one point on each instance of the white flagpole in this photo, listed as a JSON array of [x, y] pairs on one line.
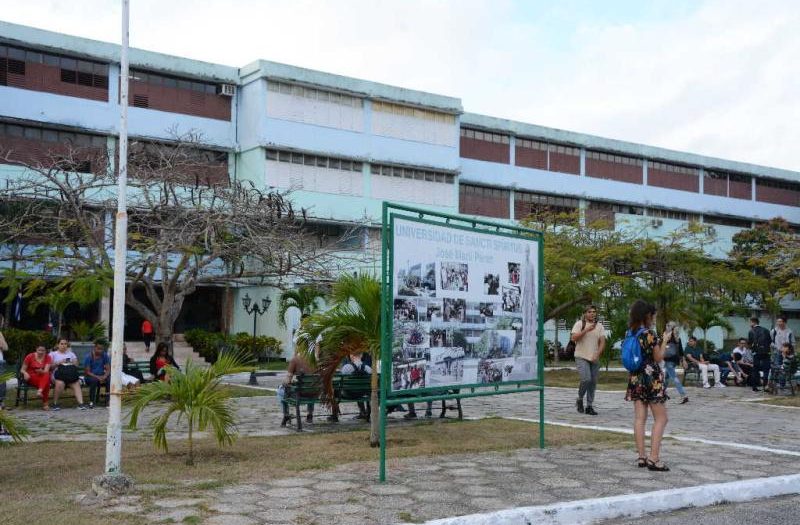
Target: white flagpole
[[114, 432]]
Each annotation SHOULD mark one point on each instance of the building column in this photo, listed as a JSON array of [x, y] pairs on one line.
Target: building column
[[753, 188], [512, 143], [367, 116], [113, 84], [582, 205], [583, 162], [644, 172], [366, 179], [511, 214]]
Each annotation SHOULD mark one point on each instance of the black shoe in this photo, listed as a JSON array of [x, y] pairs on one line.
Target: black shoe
[[579, 405], [410, 415], [285, 420], [310, 418], [332, 419], [428, 413], [684, 400], [590, 411], [755, 389], [658, 466]]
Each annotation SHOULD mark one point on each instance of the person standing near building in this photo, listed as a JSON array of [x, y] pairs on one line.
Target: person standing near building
[[589, 337], [760, 342], [147, 334], [646, 387], [673, 356], [781, 334]]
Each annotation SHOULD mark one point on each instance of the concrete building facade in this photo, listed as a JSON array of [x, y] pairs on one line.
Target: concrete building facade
[[344, 145]]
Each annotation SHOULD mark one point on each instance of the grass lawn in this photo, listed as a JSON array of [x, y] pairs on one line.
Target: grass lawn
[[38, 481], [569, 379], [243, 391], [788, 401], [273, 365]]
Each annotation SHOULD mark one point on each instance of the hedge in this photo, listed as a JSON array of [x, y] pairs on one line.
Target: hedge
[[23, 342], [208, 344]]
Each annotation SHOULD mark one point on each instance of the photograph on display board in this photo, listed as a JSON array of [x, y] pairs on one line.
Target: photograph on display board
[[439, 337], [446, 366], [409, 375], [405, 310], [454, 310], [487, 309], [416, 279], [512, 300], [455, 276], [491, 283], [433, 311], [495, 370], [513, 272]]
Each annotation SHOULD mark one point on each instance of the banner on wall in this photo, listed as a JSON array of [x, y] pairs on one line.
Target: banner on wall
[[464, 306]]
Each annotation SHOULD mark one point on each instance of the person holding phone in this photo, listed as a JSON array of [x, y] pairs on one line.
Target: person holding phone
[[673, 356], [589, 337], [35, 371], [65, 373]]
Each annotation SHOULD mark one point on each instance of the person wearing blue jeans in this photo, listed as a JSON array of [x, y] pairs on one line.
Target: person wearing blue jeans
[[673, 356]]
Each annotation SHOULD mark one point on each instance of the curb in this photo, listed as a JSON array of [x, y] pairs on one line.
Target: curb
[[589, 511]]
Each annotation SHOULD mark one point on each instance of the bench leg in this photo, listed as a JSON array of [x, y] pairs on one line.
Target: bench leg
[[460, 413], [443, 414], [297, 413], [253, 380]]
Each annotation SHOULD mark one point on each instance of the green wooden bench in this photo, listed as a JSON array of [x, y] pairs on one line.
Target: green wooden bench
[[305, 389], [144, 368]]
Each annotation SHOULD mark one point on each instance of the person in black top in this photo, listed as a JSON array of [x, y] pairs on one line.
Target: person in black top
[[760, 342], [673, 356]]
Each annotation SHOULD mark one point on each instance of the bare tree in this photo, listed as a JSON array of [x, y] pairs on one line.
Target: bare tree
[[188, 224]]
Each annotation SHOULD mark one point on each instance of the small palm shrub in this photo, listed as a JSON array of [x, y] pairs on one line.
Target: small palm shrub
[[195, 396]]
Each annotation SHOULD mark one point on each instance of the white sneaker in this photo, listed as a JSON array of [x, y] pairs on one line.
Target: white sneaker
[[719, 385], [706, 386]]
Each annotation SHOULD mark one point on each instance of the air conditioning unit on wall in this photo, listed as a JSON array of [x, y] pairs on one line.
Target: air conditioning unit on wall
[[226, 90]]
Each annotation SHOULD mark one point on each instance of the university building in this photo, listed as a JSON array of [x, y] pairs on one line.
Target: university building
[[344, 145]]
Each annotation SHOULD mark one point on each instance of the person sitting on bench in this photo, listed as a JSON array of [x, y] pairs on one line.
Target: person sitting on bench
[[97, 369], [65, 373], [696, 356], [35, 371], [297, 365], [356, 365]]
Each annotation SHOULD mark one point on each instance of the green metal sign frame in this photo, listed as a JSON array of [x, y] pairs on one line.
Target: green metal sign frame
[[389, 398]]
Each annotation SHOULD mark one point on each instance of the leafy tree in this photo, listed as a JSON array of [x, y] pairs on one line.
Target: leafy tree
[[706, 314], [305, 298], [196, 395], [771, 251], [351, 326]]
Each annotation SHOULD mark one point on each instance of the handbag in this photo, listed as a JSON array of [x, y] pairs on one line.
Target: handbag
[[67, 373]]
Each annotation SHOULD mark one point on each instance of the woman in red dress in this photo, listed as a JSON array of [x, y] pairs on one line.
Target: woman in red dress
[[35, 371]]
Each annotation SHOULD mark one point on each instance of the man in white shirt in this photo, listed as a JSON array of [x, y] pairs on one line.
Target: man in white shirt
[[589, 337], [743, 360]]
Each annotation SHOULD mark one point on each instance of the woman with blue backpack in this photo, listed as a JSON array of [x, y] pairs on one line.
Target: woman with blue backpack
[[642, 351]]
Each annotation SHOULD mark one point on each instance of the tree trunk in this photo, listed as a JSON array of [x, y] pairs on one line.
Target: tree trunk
[[555, 352], [374, 412], [190, 460]]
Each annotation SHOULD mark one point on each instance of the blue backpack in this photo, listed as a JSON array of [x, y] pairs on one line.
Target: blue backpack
[[632, 358]]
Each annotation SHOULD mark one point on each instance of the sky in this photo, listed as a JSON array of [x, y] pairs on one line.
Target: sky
[[714, 77]]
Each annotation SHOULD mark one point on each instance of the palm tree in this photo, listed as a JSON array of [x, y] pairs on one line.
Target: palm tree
[[305, 298], [706, 314], [195, 394], [14, 428], [352, 325]]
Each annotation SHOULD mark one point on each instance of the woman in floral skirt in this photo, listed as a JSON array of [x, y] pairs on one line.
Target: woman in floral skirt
[[646, 387]]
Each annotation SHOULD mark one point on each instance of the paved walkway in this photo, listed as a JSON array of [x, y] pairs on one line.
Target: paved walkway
[[430, 488]]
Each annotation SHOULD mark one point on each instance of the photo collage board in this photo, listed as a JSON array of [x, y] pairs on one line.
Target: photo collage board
[[464, 306]]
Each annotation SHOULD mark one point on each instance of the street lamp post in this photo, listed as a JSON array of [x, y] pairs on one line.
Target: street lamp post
[[256, 311]]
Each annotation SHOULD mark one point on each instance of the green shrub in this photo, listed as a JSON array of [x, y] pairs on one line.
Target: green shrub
[[23, 342], [711, 346], [260, 346], [86, 331]]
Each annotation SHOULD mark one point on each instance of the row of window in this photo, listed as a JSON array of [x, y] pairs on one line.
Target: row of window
[[610, 157], [671, 168], [616, 208], [52, 135], [408, 111], [319, 161], [484, 136], [547, 146], [314, 94], [780, 184], [157, 79], [546, 200], [73, 70], [727, 221], [673, 214], [412, 173], [733, 177]]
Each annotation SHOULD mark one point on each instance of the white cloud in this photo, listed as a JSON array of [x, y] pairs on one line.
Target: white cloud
[[718, 79]]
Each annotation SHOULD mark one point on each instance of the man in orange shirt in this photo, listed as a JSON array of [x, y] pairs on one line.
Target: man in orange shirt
[[147, 334]]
